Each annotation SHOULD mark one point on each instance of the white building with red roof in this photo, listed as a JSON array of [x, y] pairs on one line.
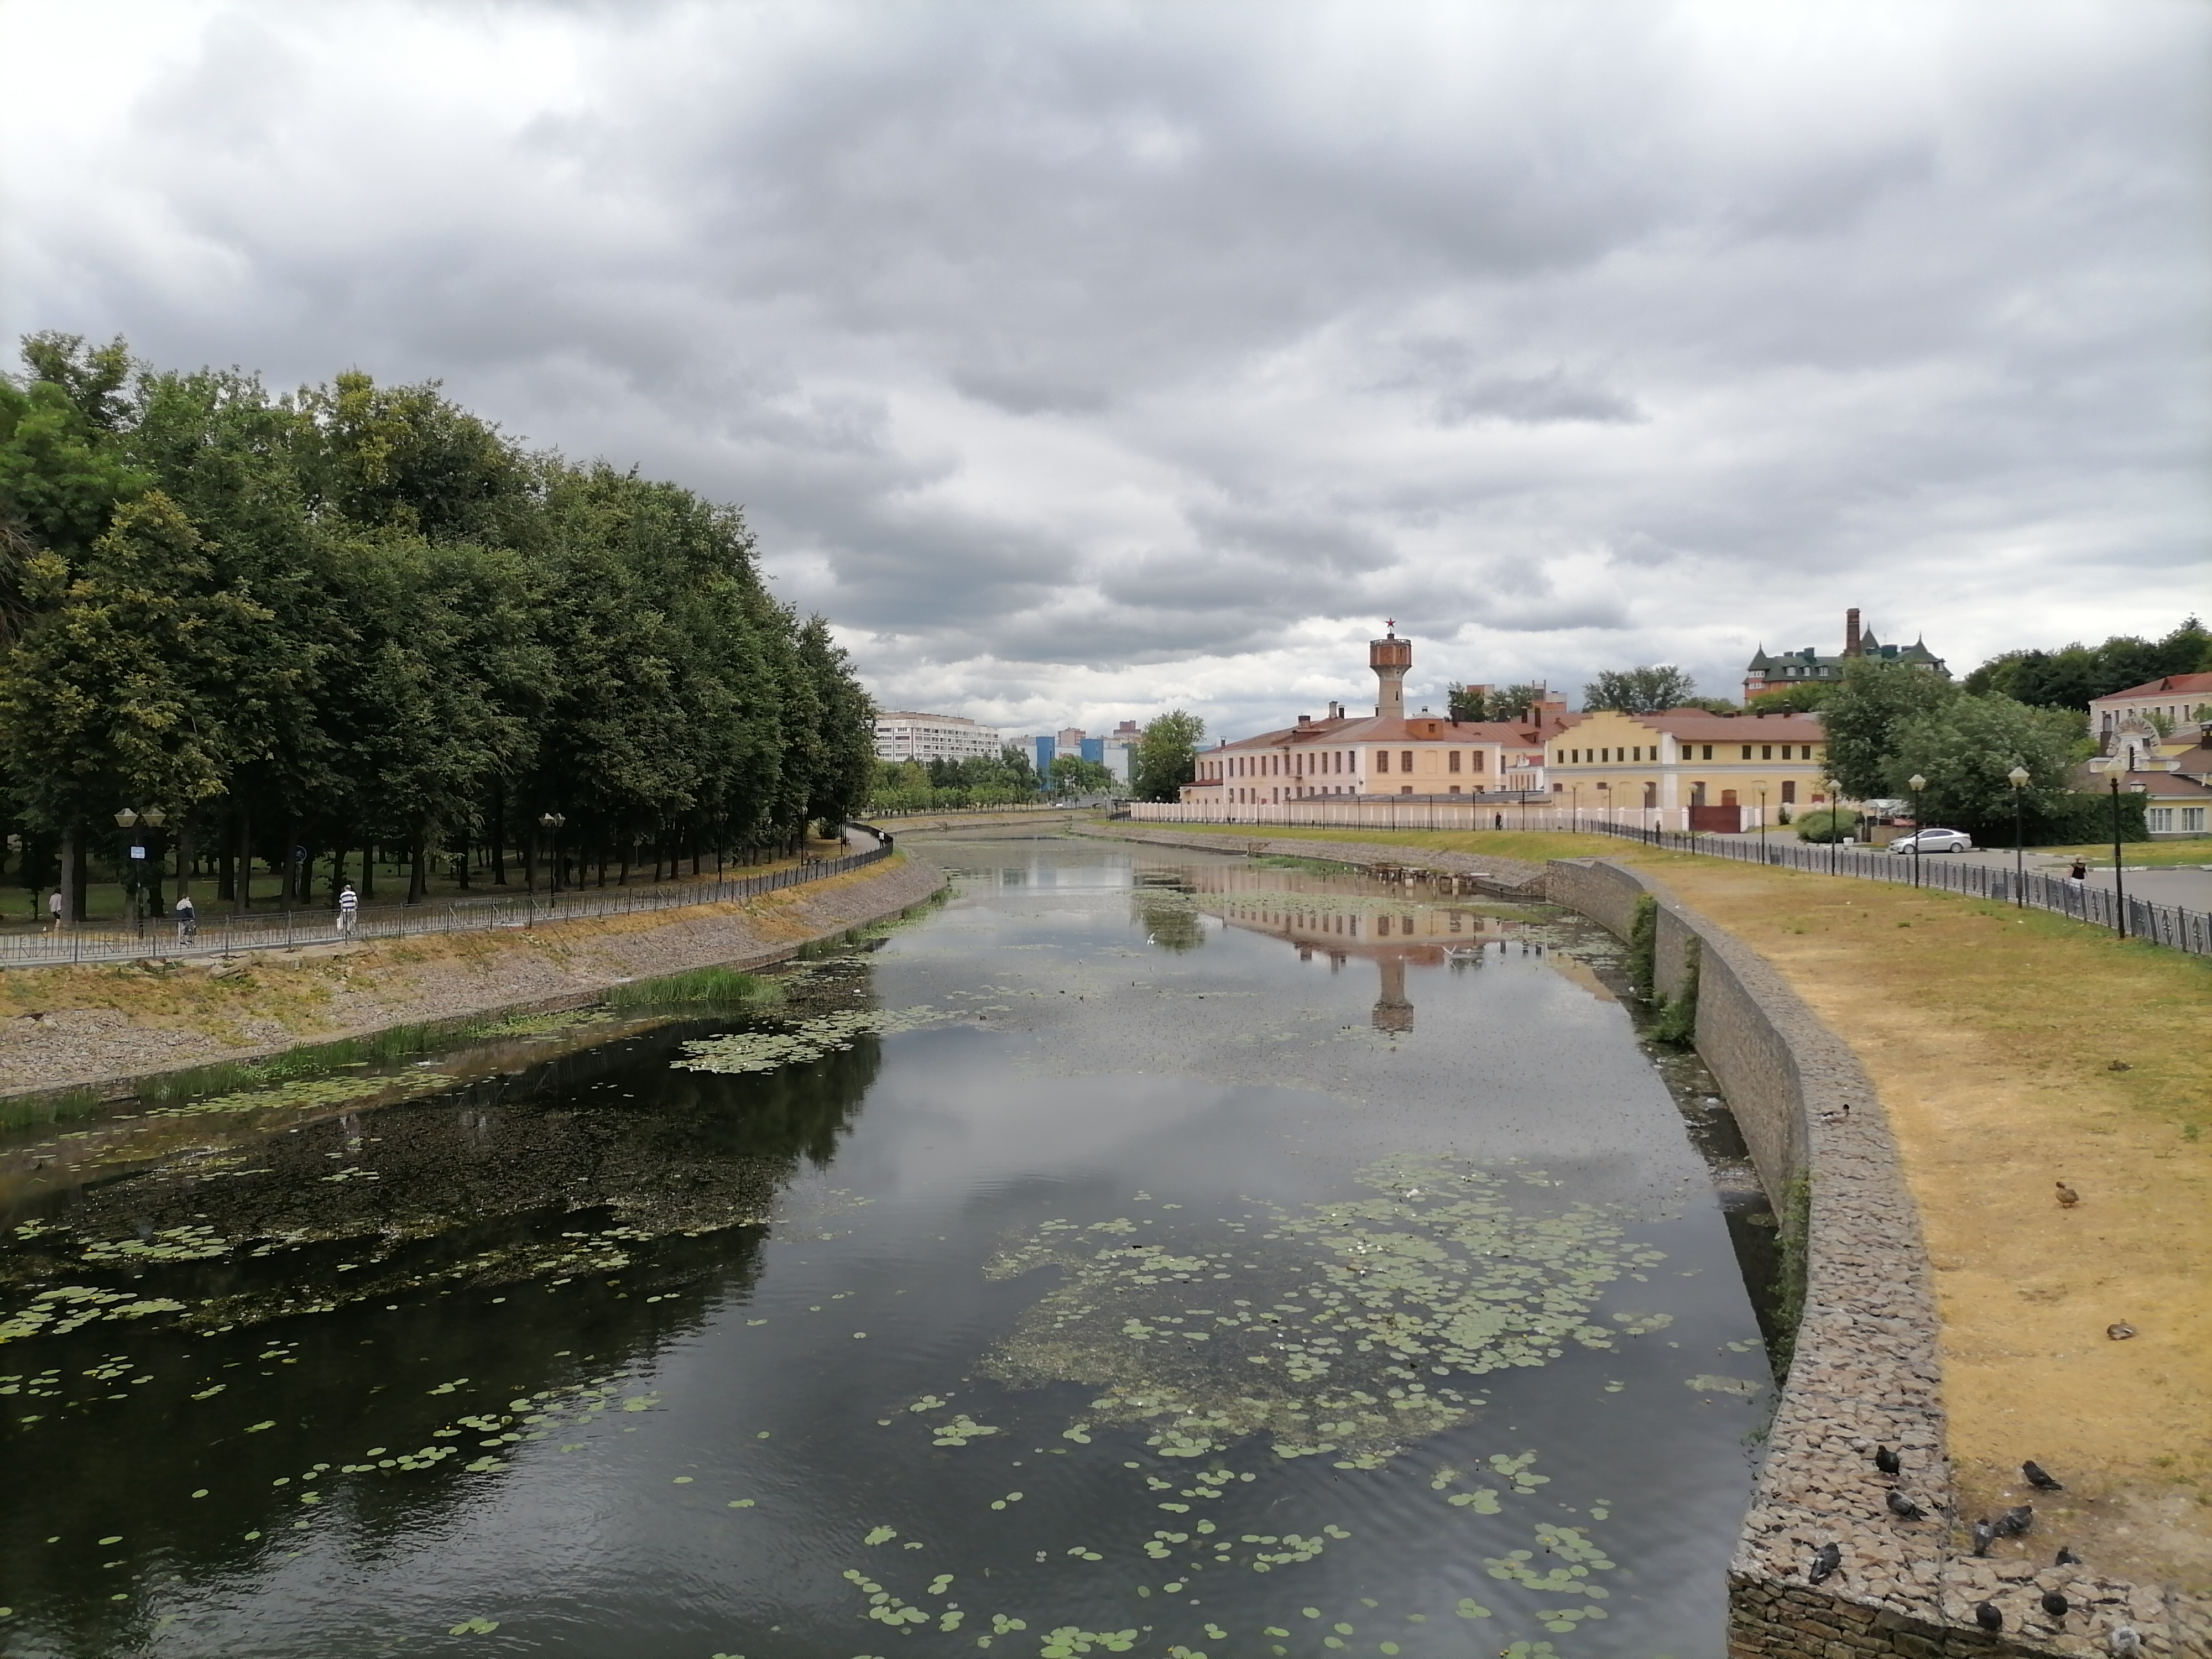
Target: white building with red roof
[[2174, 700], [1388, 754]]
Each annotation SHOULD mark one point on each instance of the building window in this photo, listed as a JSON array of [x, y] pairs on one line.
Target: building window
[[1453, 766], [1404, 760], [2192, 820], [1382, 760], [1766, 752], [1728, 798], [2159, 819], [1708, 751], [1455, 789], [1789, 792], [1405, 788], [1747, 754], [1475, 761]]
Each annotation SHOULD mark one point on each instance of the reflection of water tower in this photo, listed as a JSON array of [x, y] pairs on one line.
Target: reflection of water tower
[[1390, 657], [1391, 1011]]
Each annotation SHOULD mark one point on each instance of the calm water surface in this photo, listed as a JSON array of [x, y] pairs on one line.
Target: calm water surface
[[1147, 1252]]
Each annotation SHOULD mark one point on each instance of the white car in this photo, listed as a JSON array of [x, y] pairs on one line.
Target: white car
[[1933, 841]]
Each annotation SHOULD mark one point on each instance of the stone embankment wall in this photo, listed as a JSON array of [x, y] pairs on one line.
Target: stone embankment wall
[[378, 984], [1865, 1368]]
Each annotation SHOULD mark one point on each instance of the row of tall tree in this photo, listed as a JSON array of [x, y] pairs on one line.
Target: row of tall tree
[[357, 615], [2073, 675], [1004, 779]]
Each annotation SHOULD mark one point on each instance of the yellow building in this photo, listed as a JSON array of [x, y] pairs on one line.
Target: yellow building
[[1722, 768]]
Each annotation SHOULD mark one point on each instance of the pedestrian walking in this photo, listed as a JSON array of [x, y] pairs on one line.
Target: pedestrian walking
[[2077, 886], [188, 920], [349, 911], [54, 911]]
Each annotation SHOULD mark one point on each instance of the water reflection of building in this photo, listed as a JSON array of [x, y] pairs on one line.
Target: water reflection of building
[[1391, 934]]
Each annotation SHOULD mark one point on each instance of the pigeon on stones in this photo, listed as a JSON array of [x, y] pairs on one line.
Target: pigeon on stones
[[2039, 1478], [2068, 1198], [2066, 1557], [2055, 1604], [2125, 1641], [1987, 1617], [1825, 1560], [1903, 1508], [2120, 1332], [1985, 1536], [2016, 1521], [1887, 1460]]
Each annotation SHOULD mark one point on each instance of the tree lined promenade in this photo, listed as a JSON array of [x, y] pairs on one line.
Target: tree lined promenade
[[240, 630]]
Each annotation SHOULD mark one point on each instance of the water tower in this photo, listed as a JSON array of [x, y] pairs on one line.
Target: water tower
[[1390, 657]]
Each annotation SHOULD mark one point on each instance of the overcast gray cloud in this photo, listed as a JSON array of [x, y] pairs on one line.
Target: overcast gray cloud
[[1079, 359]]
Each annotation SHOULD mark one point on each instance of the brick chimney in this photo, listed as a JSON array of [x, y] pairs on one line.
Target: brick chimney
[[1851, 632]]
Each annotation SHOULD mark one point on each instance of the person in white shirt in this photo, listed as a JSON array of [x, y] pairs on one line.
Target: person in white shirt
[[188, 920], [348, 908]]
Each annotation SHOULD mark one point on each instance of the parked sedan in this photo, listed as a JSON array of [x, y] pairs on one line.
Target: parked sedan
[[1933, 841]]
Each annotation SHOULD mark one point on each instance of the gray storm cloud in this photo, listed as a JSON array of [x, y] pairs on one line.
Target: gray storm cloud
[[1079, 358]]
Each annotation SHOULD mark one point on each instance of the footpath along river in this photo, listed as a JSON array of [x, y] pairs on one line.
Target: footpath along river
[[1147, 1251]]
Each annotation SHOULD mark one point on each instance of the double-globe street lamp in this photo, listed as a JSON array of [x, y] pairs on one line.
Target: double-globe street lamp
[[551, 822], [2019, 778]]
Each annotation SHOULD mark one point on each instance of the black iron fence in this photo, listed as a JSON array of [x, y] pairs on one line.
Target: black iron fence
[[281, 930], [2100, 907]]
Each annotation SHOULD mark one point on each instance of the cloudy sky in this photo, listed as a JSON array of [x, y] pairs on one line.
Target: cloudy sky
[[1080, 360]]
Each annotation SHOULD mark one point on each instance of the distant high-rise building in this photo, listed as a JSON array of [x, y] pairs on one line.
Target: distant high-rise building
[[906, 735]]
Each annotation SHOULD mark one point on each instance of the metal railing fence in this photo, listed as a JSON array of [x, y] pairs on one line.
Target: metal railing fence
[[2100, 907], [230, 935]]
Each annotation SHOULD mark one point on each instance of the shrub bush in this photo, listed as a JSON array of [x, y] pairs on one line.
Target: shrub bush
[[1828, 823]]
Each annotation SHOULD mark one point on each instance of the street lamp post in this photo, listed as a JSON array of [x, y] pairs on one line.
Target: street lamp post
[[1915, 783], [1762, 826], [551, 822], [134, 855], [2119, 890], [1575, 806], [2018, 777]]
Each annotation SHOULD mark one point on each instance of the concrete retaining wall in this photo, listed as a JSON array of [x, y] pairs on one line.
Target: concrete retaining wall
[[1865, 1372]]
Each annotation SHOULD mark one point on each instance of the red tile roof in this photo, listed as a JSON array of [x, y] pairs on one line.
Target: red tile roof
[[1416, 728], [1701, 725], [2183, 684]]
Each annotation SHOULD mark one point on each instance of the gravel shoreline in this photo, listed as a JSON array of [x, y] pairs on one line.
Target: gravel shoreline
[[212, 1010]]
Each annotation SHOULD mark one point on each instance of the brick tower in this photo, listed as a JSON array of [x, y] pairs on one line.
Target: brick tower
[[1390, 657]]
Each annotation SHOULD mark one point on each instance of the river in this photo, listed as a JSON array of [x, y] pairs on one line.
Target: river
[[1145, 1251]]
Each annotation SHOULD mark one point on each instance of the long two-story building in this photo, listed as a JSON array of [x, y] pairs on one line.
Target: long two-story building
[[1723, 768], [1391, 753]]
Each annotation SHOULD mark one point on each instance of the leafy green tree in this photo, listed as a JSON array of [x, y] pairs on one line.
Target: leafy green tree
[[1074, 775], [1166, 757], [62, 473], [127, 688], [1638, 690], [2073, 675], [845, 723], [1507, 703], [1865, 716], [1800, 699], [1966, 746]]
